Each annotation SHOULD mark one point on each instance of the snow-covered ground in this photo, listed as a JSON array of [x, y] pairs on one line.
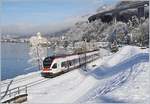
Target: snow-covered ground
[[126, 81], [122, 77]]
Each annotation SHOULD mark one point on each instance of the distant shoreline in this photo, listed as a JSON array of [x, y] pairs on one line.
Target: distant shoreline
[[14, 42]]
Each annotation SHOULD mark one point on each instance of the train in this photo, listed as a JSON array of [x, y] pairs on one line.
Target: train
[[58, 64]]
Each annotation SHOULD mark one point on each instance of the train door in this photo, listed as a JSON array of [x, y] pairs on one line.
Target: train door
[[67, 65], [70, 64], [64, 65]]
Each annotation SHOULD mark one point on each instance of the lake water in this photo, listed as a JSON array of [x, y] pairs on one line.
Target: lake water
[[14, 60]]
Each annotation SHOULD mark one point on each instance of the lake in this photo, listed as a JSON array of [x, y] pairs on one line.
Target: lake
[[14, 60]]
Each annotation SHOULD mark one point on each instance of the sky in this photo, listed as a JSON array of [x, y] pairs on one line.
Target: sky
[[46, 16]]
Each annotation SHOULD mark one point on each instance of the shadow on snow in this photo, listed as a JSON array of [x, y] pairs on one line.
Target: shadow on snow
[[106, 99]]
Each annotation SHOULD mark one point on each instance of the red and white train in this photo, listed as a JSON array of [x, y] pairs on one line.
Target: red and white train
[[55, 65]]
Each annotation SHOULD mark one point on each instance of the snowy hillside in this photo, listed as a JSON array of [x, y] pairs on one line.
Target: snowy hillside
[[123, 79], [114, 78]]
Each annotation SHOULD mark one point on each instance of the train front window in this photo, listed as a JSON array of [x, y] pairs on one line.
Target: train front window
[[54, 66], [47, 62]]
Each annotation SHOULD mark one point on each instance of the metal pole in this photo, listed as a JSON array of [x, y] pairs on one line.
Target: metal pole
[[85, 54], [9, 93], [114, 19], [18, 90], [26, 89], [47, 48]]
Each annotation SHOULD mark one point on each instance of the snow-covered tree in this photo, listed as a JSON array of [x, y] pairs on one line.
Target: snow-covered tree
[[89, 31], [37, 52], [141, 33]]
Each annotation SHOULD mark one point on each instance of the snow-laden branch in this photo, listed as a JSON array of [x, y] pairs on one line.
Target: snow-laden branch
[[37, 52]]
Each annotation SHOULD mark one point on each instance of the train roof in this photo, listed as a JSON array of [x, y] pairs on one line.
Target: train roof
[[65, 55]]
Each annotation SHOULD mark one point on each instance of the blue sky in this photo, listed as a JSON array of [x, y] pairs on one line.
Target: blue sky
[[20, 15]]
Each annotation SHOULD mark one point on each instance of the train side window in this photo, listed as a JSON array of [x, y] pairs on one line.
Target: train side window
[[54, 66], [75, 61], [70, 63]]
